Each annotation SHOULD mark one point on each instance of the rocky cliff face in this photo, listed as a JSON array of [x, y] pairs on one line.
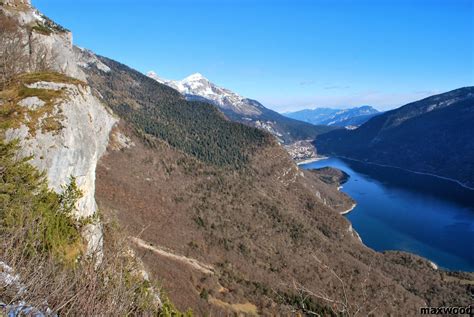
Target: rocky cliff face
[[72, 148], [16, 3], [60, 123], [44, 35], [75, 148]]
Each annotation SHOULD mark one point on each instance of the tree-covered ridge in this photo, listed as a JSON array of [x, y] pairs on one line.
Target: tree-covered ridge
[[194, 127], [432, 135]]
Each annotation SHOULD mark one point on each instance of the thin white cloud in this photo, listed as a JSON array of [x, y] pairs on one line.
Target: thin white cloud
[[307, 82], [335, 87]]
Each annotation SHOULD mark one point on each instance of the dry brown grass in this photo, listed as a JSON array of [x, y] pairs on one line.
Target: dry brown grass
[[115, 286], [247, 309], [45, 118]]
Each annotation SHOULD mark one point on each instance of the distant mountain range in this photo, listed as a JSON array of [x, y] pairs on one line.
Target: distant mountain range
[[335, 117], [433, 135], [240, 109]]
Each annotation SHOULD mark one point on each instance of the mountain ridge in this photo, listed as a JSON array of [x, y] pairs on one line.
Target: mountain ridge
[[431, 135], [335, 117], [241, 109]]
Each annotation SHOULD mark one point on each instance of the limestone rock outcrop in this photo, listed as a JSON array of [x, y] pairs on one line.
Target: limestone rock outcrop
[[75, 149]]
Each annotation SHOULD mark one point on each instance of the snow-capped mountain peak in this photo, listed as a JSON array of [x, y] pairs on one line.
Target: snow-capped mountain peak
[[196, 85], [195, 77]]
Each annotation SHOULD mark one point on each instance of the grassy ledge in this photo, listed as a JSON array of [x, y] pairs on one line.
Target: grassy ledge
[[44, 118]]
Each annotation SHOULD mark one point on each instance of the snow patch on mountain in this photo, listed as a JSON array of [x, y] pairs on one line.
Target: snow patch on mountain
[[86, 59], [196, 85], [250, 112]]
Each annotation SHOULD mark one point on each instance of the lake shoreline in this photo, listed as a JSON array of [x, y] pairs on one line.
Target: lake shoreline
[[311, 160], [385, 197], [349, 210]]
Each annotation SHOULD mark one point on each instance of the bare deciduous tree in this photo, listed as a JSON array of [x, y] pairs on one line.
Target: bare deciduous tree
[[340, 305], [21, 50], [13, 50]]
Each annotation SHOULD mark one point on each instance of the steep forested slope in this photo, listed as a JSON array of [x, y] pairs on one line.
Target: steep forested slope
[[258, 237], [194, 127]]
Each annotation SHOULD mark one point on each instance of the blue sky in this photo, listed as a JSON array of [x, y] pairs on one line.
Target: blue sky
[[288, 54]]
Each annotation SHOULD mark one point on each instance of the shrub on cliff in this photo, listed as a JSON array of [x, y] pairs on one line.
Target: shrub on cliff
[[43, 266]]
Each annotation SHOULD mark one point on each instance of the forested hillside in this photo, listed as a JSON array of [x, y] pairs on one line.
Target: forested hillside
[[197, 128], [433, 135]]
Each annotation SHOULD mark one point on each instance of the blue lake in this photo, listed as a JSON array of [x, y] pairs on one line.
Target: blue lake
[[399, 210]]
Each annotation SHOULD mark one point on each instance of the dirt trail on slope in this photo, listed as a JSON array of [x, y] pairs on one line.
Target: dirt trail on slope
[[195, 264]]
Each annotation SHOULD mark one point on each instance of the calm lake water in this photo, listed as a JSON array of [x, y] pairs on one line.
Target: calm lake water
[[398, 210]]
